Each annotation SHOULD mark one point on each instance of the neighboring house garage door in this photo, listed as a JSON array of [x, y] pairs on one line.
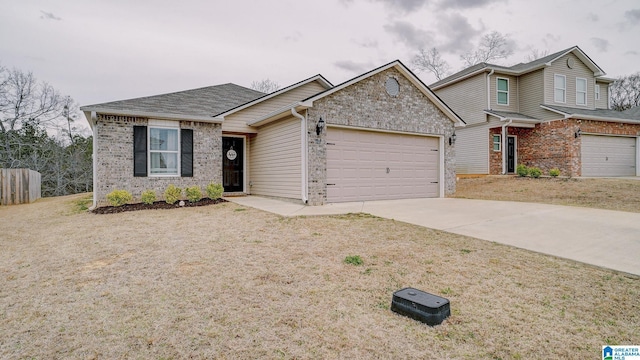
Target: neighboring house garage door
[[367, 165], [608, 156]]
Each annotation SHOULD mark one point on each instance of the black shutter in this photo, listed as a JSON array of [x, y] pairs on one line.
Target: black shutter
[[139, 151], [186, 153]]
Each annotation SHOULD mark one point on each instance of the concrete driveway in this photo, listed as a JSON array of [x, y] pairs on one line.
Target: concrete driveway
[[605, 238]]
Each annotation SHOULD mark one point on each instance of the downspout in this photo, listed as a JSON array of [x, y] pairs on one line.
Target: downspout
[[489, 88], [94, 156], [303, 153], [504, 146]]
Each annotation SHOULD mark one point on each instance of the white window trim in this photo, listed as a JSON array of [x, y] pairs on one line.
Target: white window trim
[[597, 92], [563, 89], [586, 83], [493, 141], [499, 91], [163, 124]]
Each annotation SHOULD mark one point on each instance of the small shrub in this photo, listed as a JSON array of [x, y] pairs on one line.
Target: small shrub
[[522, 170], [535, 172], [353, 260], [119, 197], [194, 194], [214, 191], [172, 194], [148, 197], [554, 172]]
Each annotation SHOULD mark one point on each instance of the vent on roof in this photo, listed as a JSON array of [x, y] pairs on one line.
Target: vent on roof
[[392, 86]]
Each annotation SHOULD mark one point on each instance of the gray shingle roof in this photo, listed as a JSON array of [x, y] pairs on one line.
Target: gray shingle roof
[[601, 113], [202, 102], [634, 111]]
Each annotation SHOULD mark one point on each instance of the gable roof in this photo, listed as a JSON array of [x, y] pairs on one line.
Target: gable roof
[[319, 78], [597, 114], [521, 68], [397, 64], [196, 104]]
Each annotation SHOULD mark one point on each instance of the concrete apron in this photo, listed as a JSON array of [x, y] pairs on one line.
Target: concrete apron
[[605, 238]]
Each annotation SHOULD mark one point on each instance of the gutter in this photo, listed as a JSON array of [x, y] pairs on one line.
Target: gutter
[[94, 157], [303, 154], [504, 146], [489, 88]]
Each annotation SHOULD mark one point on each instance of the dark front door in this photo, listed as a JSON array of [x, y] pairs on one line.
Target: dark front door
[[511, 154], [232, 164]]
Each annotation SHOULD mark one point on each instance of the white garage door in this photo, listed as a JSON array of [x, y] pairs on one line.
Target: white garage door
[[608, 156], [366, 165]]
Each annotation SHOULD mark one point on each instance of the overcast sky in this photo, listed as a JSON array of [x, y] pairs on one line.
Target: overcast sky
[[99, 51]]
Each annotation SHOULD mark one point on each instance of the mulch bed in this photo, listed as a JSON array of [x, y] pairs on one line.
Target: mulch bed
[[156, 205]]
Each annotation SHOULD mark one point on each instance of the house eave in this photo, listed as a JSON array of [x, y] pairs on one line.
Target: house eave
[[279, 114], [589, 117], [154, 115]]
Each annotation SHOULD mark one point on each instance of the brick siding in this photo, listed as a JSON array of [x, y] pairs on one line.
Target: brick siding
[[114, 162]]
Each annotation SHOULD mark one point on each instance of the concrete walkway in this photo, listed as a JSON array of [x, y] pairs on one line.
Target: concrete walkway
[[605, 238]]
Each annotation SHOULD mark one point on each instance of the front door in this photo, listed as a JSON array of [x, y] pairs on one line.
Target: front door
[[511, 154], [233, 164]]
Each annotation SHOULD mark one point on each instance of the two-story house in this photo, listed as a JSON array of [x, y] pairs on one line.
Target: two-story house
[[550, 113]]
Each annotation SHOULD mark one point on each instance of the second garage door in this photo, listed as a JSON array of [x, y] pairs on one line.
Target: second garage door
[[608, 156], [367, 165]]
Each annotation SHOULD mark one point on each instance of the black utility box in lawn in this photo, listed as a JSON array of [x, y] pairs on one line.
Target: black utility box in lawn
[[419, 305]]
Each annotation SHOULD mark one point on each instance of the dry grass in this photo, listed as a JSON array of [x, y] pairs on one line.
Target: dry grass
[[230, 282], [611, 194]]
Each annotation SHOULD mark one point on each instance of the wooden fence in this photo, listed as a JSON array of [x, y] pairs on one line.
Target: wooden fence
[[19, 186]]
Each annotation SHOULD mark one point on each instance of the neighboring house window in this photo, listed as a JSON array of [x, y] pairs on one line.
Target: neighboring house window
[[503, 91], [597, 92], [581, 91], [497, 143], [560, 88], [169, 151]]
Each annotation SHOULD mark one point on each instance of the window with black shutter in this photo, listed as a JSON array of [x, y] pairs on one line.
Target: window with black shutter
[[139, 151], [186, 153]]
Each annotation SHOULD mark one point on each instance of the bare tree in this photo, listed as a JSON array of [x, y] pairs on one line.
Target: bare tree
[[431, 61], [492, 46], [625, 92], [536, 54], [266, 86]]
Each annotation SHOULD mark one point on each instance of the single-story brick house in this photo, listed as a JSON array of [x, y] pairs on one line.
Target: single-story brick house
[[381, 135]]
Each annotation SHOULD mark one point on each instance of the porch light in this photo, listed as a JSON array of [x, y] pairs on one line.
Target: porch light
[[452, 139], [319, 126], [578, 133]]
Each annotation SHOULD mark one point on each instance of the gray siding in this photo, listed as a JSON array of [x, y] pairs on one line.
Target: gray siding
[[532, 94], [467, 98], [472, 148], [237, 122], [513, 93], [276, 160], [579, 70]]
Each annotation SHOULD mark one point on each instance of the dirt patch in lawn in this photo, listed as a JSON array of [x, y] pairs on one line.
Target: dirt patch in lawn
[[611, 194], [214, 282]]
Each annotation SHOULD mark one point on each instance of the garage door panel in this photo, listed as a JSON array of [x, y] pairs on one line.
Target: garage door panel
[[367, 165], [608, 155]]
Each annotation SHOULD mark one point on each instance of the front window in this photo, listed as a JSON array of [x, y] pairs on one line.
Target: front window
[[163, 151], [597, 89], [581, 91], [560, 88], [497, 142], [503, 91]]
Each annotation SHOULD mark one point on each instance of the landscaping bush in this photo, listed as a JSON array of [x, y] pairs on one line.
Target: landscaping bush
[[194, 194], [148, 197], [554, 172], [214, 191], [522, 170], [172, 194], [119, 197], [535, 172]]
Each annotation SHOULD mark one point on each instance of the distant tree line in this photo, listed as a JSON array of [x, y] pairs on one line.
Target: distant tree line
[[37, 132]]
